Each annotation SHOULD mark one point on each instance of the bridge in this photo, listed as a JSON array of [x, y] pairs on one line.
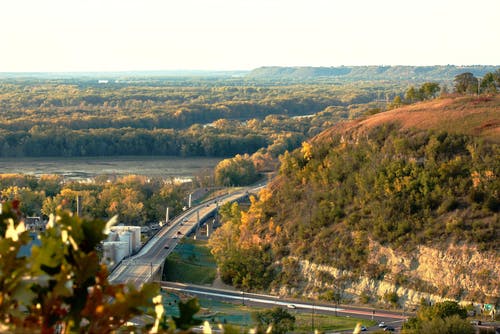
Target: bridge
[[147, 264]]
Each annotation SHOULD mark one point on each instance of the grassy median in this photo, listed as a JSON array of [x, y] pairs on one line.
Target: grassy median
[[190, 262]]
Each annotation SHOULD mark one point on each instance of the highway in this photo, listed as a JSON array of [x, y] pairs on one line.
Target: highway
[[146, 264], [394, 319]]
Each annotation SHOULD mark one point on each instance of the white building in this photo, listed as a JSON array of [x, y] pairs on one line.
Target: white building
[[122, 242]]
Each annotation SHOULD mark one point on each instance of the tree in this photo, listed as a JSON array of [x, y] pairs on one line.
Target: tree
[[237, 171], [449, 325], [278, 319], [411, 95], [30, 201], [443, 310], [126, 201], [465, 83], [488, 84], [444, 91], [396, 103], [447, 317], [391, 298], [496, 75], [187, 310], [429, 90]]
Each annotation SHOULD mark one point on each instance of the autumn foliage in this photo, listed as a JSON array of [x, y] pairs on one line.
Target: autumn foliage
[[61, 285]]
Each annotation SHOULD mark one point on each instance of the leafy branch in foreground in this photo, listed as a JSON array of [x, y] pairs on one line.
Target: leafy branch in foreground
[[61, 285]]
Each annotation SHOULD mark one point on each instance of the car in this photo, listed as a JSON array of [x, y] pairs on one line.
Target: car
[[382, 324], [389, 329], [476, 322], [363, 329], [291, 306], [166, 247]]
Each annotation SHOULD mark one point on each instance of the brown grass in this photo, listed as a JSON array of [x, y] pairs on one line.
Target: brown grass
[[477, 116]]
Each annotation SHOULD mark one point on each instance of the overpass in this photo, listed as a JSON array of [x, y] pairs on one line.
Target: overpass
[[147, 264]]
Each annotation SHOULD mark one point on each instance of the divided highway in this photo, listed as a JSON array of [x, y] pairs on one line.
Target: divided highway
[[148, 262], [394, 319]]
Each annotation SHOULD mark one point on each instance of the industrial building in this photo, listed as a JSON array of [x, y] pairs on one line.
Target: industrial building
[[122, 241]]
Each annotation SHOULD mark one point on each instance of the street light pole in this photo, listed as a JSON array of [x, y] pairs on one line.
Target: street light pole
[[312, 318]]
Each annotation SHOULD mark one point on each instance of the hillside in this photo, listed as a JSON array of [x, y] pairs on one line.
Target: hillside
[[356, 73], [463, 115], [406, 202]]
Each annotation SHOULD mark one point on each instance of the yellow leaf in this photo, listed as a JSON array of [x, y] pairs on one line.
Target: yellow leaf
[[13, 232]]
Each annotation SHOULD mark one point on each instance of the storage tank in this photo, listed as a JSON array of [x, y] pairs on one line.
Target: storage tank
[[135, 238], [131, 234], [108, 253], [122, 250], [112, 236], [126, 236]]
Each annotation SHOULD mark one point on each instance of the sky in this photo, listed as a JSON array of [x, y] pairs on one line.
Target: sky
[[126, 35]]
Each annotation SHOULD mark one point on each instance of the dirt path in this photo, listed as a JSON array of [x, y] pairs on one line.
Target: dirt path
[[217, 283]]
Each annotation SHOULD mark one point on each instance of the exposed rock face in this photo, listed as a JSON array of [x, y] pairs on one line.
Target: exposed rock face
[[457, 272]]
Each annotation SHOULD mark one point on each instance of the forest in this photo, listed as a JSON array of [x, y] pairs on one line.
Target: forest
[[249, 122], [217, 116], [222, 117]]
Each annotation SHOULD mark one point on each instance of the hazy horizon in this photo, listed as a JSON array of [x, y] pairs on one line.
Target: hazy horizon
[[238, 35], [180, 72]]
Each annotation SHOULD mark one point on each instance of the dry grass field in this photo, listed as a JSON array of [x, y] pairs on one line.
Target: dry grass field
[[472, 115]]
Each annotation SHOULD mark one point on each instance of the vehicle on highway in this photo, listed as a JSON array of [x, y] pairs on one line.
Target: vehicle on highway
[[166, 247], [363, 329], [291, 306], [389, 329], [382, 324]]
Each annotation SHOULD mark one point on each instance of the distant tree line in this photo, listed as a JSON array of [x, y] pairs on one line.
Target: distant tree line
[[167, 117], [464, 83], [426, 91], [59, 141]]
